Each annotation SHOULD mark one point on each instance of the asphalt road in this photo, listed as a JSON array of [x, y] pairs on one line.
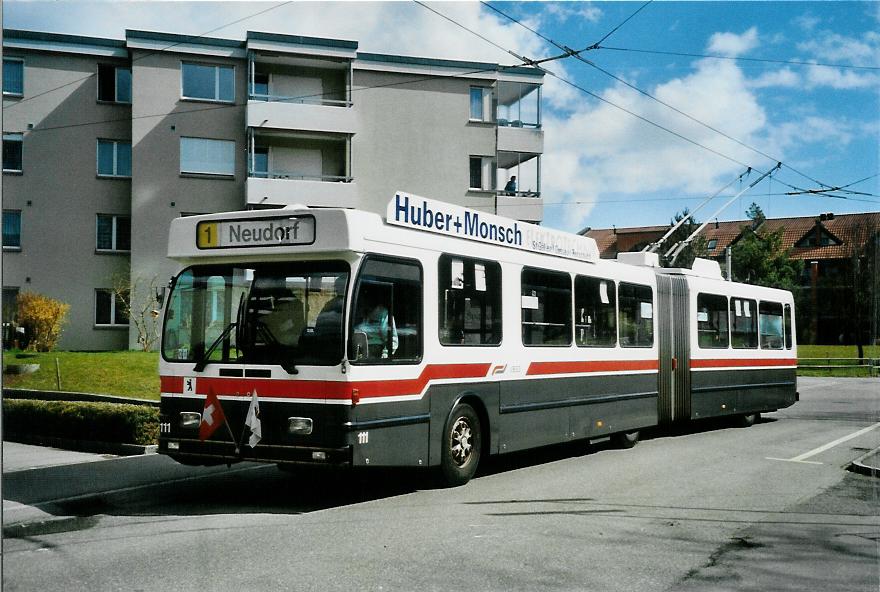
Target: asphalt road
[[706, 508]]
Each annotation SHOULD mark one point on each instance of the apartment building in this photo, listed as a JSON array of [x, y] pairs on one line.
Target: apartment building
[[106, 141]]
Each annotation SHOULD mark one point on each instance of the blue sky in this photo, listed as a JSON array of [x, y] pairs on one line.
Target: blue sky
[[603, 166]]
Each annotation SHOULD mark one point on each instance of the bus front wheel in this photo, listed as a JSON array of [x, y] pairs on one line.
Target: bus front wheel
[[462, 443]]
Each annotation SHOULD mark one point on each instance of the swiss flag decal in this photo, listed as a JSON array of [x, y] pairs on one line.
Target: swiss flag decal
[[212, 416]]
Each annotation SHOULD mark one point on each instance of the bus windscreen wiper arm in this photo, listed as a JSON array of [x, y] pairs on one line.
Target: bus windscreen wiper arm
[[201, 363]]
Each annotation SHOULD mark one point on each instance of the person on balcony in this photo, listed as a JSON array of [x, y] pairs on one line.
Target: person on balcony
[[511, 185]]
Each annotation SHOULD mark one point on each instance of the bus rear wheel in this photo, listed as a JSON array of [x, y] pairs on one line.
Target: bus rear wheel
[[747, 420], [625, 439], [462, 443]]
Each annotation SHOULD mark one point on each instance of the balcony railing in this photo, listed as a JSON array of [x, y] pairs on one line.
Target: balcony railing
[[297, 176], [517, 123], [502, 193], [299, 100]]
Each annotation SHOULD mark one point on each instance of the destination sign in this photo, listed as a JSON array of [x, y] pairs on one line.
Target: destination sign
[[263, 232], [442, 218]]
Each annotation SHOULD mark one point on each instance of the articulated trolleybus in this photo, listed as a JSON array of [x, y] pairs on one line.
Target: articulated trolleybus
[[438, 335]]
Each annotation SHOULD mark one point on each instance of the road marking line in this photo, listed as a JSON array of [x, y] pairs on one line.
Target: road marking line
[[803, 462], [802, 458]]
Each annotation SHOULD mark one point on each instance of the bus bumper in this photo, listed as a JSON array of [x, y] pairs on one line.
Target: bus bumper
[[213, 452]]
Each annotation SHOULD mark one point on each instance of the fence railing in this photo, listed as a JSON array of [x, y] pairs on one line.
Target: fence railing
[[871, 365]]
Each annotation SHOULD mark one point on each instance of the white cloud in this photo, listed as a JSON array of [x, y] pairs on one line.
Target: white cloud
[[837, 48], [840, 79], [807, 21], [785, 77], [733, 45], [567, 10], [600, 149]]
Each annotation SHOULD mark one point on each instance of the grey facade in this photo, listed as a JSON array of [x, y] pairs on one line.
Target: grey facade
[[216, 125]]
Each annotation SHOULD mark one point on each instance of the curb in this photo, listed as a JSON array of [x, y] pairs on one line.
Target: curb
[[14, 393], [859, 466], [97, 447]]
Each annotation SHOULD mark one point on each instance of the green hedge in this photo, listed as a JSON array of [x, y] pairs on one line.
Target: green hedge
[[102, 422]]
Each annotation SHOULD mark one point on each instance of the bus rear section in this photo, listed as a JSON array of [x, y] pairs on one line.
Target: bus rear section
[[726, 349]]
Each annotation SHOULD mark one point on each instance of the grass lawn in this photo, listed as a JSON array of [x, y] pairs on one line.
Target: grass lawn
[[124, 373], [848, 367]]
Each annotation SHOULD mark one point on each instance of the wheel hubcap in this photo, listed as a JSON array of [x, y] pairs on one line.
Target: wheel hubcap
[[460, 441]]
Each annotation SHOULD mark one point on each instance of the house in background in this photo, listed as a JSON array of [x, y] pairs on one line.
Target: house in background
[[837, 250], [105, 141]]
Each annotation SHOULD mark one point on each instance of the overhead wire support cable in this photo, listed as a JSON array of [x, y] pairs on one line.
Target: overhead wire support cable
[[739, 58], [577, 56], [657, 244], [676, 249]]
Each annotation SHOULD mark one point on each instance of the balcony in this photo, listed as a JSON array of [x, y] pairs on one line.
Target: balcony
[[520, 139], [284, 190], [296, 168], [520, 207], [299, 92]]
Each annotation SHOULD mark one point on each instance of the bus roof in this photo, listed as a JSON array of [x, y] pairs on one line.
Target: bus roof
[[277, 233]]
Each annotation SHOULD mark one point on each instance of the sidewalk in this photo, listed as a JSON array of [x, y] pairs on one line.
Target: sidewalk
[[21, 457], [867, 464]]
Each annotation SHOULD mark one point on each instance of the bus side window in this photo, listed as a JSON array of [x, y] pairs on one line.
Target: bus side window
[[770, 325], [712, 321], [546, 307], [636, 311], [788, 337], [744, 323], [469, 301], [387, 312], [595, 305]]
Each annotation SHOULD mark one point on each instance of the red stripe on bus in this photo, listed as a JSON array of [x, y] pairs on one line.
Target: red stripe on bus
[[541, 368], [327, 389], [730, 363]]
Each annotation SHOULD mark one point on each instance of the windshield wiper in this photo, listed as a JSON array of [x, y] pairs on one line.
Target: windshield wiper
[[287, 365], [203, 361]]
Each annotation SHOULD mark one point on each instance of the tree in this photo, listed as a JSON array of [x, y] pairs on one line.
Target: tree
[[756, 215], [138, 299], [696, 248], [760, 258], [863, 315], [42, 318]]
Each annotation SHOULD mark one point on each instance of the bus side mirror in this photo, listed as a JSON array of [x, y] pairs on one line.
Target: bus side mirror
[[160, 295], [359, 343]]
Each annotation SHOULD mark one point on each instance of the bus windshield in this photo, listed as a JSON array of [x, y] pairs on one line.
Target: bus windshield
[[281, 313]]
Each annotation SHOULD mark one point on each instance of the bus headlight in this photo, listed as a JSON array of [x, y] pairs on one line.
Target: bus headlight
[[301, 426], [190, 419]]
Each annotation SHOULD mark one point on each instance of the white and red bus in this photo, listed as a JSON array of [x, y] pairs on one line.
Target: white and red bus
[[438, 335]]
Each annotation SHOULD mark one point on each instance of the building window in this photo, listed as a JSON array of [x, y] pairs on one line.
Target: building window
[[114, 84], [13, 77], [12, 229], [12, 153], [481, 104], [114, 158], [744, 323], [208, 83], [207, 157], [713, 242], [470, 301], [712, 321], [546, 307], [109, 309], [482, 172], [636, 311], [113, 233], [595, 305]]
